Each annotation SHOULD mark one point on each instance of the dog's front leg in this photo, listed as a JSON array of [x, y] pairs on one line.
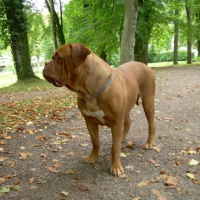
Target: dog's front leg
[[117, 132], [93, 129]]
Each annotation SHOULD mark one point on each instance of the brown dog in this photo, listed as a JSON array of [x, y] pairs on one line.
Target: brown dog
[[105, 95]]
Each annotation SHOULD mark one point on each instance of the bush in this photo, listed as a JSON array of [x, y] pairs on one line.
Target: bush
[[10, 68], [154, 57]]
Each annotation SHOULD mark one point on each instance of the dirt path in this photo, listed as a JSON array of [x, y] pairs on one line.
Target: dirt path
[[46, 164]]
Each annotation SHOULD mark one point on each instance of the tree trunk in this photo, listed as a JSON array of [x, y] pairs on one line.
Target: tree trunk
[[103, 55], [21, 57], [53, 24], [143, 33], [189, 43], [19, 41], [198, 47], [128, 34], [57, 27], [61, 36], [175, 57], [141, 50]]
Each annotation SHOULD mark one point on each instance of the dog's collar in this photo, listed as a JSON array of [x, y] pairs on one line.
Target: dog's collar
[[102, 89]]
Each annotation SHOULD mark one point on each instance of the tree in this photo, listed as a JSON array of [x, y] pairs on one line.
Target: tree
[[176, 15], [150, 13], [197, 23], [14, 33], [56, 24], [36, 34], [128, 34], [98, 24], [189, 35]]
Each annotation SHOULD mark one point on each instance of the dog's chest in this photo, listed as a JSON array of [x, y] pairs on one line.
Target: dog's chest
[[97, 114]]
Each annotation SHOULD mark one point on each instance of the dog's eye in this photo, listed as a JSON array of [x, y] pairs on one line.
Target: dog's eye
[[58, 58]]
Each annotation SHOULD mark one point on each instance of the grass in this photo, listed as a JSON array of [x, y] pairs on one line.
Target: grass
[[170, 64], [7, 79], [9, 84]]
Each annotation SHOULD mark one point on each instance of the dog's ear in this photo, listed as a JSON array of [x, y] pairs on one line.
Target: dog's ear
[[79, 53]]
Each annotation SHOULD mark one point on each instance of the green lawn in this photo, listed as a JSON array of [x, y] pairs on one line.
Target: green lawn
[[7, 79], [167, 64], [9, 83]]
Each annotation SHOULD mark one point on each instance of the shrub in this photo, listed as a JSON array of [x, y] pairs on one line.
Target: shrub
[[154, 57]]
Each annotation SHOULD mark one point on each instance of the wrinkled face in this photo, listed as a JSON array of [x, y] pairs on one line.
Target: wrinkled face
[[64, 62]]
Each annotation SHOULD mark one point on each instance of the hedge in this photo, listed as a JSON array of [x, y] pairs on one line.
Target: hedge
[[166, 56]]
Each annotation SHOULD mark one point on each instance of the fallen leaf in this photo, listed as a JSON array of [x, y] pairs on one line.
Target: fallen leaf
[[122, 176], [131, 146], [193, 162], [171, 180], [12, 163], [143, 183], [157, 148], [4, 189], [96, 166], [84, 145], [17, 187], [83, 188], [52, 169], [32, 187], [192, 152], [122, 155], [129, 167], [23, 155], [64, 193], [153, 160], [195, 181], [2, 142], [158, 194], [31, 180], [70, 171], [2, 180], [162, 177], [64, 141], [190, 175], [137, 171], [57, 165], [2, 159]]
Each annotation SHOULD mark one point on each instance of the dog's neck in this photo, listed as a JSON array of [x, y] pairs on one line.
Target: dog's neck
[[97, 70]]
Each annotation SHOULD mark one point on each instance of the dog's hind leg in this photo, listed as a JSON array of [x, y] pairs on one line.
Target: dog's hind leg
[[127, 124], [149, 109]]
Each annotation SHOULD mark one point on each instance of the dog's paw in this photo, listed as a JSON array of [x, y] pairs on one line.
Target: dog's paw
[[117, 171], [148, 146], [90, 159]]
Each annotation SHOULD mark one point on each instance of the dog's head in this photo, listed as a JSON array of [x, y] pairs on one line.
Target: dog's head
[[65, 61]]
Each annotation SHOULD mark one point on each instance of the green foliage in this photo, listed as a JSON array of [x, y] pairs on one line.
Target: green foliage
[[167, 56], [98, 24], [8, 25]]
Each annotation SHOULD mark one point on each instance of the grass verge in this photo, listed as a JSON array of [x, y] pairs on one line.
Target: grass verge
[[32, 84]]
